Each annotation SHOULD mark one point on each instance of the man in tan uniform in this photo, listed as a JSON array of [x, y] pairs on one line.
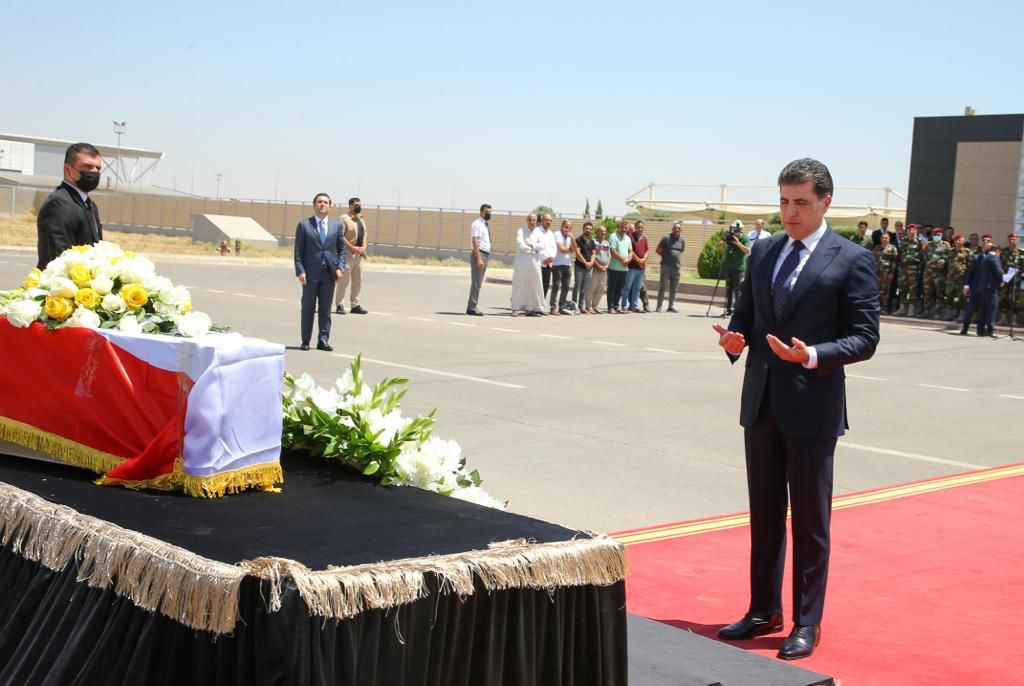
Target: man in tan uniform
[[355, 250]]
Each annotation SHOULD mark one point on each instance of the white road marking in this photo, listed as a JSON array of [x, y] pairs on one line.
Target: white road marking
[[243, 295], [607, 343], [498, 328], [423, 319], [214, 290], [945, 388], [461, 324], [1011, 397], [551, 335], [278, 300], [866, 378], [464, 377], [663, 350], [381, 314], [912, 456]]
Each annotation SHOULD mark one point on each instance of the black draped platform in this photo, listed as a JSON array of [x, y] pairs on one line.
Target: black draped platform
[[71, 625]]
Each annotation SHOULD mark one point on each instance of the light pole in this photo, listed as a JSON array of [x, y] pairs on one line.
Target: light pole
[[399, 192], [218, 175], [119, 128]]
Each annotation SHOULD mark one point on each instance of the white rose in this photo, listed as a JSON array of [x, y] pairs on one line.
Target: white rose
[[156, 285], [21, 313], [102, 284], [135, 269], [83, 317], [55, 268], [176, 296], [164, 309], [129, 325], [107, 251], [113, 303], [475, 494], [193, 324], [63, 287]]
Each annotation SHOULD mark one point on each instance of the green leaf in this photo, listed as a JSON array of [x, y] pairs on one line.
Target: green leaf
[[371, 468]]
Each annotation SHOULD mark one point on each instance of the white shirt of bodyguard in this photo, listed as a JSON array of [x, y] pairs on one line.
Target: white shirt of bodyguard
[[480, 232], [810, 243], [562, 259]]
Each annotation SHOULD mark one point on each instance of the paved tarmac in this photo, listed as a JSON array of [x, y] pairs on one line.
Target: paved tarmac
[[615, 422]]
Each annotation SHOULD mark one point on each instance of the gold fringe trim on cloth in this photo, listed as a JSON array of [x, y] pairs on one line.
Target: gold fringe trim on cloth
[[203, 594], [342, 592], [262, 476], [58, 447], [156, 576]]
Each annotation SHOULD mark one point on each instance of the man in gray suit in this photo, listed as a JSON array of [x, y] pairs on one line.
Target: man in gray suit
[[319, 260]]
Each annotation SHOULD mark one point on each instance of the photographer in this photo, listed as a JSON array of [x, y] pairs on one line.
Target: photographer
[[734, 263]]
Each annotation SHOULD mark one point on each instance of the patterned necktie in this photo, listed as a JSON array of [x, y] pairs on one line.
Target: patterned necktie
[[780, 288], [323, 233]]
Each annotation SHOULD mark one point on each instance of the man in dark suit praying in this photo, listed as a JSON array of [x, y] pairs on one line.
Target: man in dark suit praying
[[808, 307], [68, 216], [319, 261]]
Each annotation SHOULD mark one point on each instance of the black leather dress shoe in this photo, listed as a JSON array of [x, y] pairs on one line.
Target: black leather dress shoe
[[304, 346], [327, 347], [340, 309], [475, 313], [357, 310], [753, 624], [801, 642]]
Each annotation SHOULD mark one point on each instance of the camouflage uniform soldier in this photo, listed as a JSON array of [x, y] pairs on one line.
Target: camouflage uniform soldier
[[935, 254], [956, 268], [911, 260], [886, 255], [1011, 256]]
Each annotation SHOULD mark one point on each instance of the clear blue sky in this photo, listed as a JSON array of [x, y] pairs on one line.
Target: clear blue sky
[[515, 104]]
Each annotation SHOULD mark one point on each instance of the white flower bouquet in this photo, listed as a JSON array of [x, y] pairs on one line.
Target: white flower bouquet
[[362, 427], [103, 286]]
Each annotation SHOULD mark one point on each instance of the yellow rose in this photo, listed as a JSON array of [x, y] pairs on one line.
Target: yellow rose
[[87, 297], [58, 308], [187, 306], [81, 275], [80, 248], [32, 280], [129, 253], [135, 296]]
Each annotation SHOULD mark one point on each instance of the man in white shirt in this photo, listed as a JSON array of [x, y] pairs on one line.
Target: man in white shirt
[[544, 239], [480, 234], [759, 232]]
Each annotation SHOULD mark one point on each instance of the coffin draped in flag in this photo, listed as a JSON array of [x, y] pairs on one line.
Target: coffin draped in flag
[[201, 415]]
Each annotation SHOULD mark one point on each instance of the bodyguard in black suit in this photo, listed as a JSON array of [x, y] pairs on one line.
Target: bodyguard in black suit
[[319, 261], [808, 307], [982, 281], [68, 216]]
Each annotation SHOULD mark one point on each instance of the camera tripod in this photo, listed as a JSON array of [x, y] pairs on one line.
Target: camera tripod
[[718, 279]]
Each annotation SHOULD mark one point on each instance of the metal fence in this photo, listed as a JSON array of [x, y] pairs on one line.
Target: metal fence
[[417, 230]]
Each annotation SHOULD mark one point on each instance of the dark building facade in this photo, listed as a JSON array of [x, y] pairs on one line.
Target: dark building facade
[[968, 172]]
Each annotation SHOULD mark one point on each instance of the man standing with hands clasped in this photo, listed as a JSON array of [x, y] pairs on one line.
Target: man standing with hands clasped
[[68, 216], [809, 306], [354, 235], [480, 235], [319, 260]]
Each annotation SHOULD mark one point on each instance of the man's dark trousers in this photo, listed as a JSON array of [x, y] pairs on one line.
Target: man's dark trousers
[[809, 471]]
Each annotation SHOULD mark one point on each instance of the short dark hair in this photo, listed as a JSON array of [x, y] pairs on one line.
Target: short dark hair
[[586, 224], [862, 223], [485, 206], [352, 200], [806, 169], [323, 194], [885, 219], [76, 149]]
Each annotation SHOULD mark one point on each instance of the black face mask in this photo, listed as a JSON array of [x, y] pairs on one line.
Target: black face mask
[[487, 216], [357, 209], [88, 181]]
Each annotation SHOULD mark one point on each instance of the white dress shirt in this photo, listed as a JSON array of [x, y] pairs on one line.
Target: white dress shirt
[[482, 233], [809, 243]]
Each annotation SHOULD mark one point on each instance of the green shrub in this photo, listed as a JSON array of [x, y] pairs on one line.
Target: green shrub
[[710, 259]]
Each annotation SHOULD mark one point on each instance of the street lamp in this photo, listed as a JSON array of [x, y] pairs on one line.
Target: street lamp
[[399, 192], [119, 129], [218, 175]]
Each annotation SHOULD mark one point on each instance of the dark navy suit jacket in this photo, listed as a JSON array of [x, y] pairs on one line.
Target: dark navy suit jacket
[[318, 261], [984, 274], [64, 221], [834, 307]]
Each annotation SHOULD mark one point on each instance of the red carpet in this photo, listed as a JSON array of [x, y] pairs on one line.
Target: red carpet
[[926, 583]]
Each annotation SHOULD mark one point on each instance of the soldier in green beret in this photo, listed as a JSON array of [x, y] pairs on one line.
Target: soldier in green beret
[[911, 261], [935, 254], [956, 268]]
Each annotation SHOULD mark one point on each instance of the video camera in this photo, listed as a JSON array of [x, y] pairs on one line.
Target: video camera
[[733, 232]]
